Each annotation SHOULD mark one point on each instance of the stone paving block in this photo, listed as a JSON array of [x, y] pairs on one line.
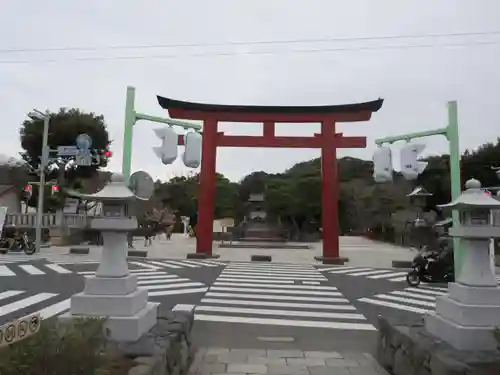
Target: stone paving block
[[232, 357], [212, 358], [285, 353], [287, 370], [251, 352], [335, 362], [217, 351], [325, 355], [246, 368], [305, 361], [322, 370], [266, 360]]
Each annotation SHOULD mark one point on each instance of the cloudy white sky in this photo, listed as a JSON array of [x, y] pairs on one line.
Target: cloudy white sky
[[352, 61]]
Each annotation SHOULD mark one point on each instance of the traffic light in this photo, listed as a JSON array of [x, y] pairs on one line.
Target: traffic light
[[192, 153], [167, 152], [27, 193], [55, 189], [411, 167], [382, 164]]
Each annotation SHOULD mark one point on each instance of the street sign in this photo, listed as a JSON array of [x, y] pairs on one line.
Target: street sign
[[19, 329], [67, 150]]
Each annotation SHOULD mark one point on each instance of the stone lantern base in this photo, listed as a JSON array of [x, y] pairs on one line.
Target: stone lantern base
[[127, 310], [466, 317]]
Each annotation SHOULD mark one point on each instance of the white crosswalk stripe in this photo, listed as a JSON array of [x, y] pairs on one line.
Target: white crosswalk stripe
[[420, 300], [15, 269], [370, 273], [160, 283], [181, 263], [276, 294]]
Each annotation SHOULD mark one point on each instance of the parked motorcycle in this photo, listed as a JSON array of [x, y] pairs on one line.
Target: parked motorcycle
[[11, 241], [432, 266]]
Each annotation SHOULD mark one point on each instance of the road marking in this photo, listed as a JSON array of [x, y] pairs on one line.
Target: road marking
[[311, 282], [367, 273], [283, 322], [5, 271], [174, 292], [143, 265], [182, 263], [57, 268], [278, 291], [388, 275], [242, 276], [183, 307], [224, 278], [394, 305], [10, 293], [295, 313], [281, 304], [171, 286], [344, 271], [198, 263], [164, 264], [406, 300], [294, 287], [154, 277], [56, 309], [21, 304], [150, 282], [32, 270], [278, 273], [276, 297]]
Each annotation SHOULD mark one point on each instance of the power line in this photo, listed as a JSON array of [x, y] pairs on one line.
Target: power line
[[255, 42], [225, 54]]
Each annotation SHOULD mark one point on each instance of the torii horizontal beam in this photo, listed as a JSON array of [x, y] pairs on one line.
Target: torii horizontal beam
[[283, 142]]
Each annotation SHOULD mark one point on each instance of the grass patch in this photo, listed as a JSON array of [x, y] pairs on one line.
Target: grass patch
[[78, 347]]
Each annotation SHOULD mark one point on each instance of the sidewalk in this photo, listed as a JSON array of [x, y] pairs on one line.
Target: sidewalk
[[213, 361], [360, 251]]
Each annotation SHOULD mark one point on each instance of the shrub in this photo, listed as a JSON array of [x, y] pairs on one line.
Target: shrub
[[76, 348]]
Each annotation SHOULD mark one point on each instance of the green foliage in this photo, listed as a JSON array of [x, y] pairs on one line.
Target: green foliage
[[75, 348], [294, 197], [64, 127]]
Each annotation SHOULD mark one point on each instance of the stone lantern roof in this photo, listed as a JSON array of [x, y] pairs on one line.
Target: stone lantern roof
[[116, 191], [472, 198]]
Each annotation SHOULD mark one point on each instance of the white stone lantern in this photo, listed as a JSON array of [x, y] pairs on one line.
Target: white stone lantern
[[467, 316], [112, 293]]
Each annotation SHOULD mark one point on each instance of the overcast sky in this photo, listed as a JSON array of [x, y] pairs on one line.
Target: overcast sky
[[353, 61]]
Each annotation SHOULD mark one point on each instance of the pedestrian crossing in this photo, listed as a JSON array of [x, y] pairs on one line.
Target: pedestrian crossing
[[178, 263], [370, 273], [161, 283], [14, 269], [419, 300], [16, 303], [279, 295]]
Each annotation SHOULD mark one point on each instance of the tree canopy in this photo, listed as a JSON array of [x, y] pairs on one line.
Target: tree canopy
[[294, 197]]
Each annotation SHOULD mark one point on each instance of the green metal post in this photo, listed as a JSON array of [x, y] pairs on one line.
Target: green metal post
[[128, 133], [455, 179], [451, 134]]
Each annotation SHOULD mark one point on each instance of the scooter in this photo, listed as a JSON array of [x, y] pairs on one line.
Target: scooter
[[432, 267], [15, 242]]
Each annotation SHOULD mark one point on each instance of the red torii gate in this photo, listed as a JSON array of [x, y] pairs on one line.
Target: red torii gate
[[328, 141]]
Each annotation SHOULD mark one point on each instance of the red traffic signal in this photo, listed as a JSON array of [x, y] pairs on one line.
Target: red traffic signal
[[28, 188], [55, 188], [108, 154]]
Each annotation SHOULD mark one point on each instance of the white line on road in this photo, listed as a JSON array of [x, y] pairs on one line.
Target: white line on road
[[175, 292], [295, 287], [394, 305], [57, 268], [21, 304], [5, 271], [278, 291], [277, 297], [32, 270], [318, 306]]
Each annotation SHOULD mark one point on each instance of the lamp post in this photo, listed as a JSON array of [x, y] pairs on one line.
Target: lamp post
[[38, 115]]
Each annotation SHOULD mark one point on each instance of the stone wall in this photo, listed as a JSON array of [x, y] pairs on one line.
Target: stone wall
[[405, 348], [166, 350]]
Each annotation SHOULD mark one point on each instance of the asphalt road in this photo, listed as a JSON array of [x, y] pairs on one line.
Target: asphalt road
[[241, 304]]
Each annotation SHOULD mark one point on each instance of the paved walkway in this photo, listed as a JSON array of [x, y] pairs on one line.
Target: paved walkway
[[212, 361], [360, 251]]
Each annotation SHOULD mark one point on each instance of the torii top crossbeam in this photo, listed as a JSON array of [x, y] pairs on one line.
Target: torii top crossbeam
[[256, 113]]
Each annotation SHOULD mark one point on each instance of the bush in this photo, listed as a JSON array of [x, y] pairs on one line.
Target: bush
[[76, 348]]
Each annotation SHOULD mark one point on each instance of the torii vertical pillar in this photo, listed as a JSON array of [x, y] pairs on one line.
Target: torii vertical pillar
[[328, 141]]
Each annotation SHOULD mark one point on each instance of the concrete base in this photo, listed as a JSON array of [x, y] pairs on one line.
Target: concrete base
[[461, 337], [202, 256], [327, 260], [109, 305], [466, 317], [261, 258], [126, 328], [110, 285]]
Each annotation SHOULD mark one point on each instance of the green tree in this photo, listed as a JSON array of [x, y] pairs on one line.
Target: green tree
[[64, 127]]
